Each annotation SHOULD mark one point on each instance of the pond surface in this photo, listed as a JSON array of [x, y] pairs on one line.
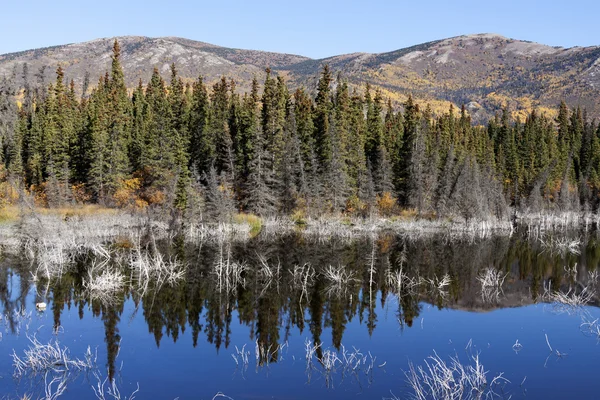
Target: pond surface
[[365, 309]]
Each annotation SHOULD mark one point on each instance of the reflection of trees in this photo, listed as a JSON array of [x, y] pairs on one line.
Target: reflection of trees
[[316, 312], [274, 306], [111, 316], [267, 328], [12, 302]]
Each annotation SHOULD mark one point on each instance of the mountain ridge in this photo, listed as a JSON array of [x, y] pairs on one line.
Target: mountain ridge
[[483, 71]]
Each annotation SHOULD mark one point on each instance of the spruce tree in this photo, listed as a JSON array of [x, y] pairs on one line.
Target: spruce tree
[[323, 108], [201, 145]]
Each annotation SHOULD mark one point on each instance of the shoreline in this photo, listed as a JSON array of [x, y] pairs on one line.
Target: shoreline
[[96, 221]]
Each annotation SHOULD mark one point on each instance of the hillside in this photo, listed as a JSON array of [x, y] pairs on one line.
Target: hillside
[[141, 54], [482, 71]]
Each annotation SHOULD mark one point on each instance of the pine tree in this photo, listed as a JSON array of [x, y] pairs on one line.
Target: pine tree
[[201, 147], [323, 108], [405, 182], [136, 145], [110, 128], [219, 201], [303, 112], [335, 177], [355, 147], [119, 124], [273, 118], [161, 158], [290, 175], [218, 129]]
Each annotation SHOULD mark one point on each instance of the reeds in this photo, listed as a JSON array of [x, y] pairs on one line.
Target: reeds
[[216, 232], [442, 380], [400, 283], [16, 320], [108, 389], [561, 245], [40, 358], [153, 270], [570, 302], [52, 243], [104, 285], [590, 327], [328, 362], [437, 286], [228, 273], [491, 284], [537, 224], [339, 279]]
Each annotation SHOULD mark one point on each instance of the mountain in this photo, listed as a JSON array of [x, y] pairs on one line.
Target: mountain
[[141, 54], [482, 71]]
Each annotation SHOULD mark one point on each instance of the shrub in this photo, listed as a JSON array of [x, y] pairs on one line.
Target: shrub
[[254, 221], [386, 204]]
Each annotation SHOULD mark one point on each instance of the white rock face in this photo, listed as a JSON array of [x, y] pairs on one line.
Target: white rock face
[[443, 58], [529, 49], [407, 58]]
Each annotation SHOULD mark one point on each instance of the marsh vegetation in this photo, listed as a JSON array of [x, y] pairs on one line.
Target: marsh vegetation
[[334, 313]]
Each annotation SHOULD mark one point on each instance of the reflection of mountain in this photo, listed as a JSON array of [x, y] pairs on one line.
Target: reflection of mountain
[[274, 296]]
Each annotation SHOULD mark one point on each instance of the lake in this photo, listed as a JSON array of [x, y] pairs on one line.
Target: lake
[[295, 317]]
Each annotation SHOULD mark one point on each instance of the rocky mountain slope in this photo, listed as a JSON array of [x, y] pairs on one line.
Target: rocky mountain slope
[[141, 54], [481, 71]]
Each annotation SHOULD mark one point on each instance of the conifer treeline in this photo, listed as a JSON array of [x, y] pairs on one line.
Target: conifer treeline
[[273, 151]]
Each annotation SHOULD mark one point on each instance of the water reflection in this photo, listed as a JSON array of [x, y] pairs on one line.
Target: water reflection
[[276, 286]]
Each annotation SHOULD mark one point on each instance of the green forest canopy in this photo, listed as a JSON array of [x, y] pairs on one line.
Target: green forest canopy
[[276, 152]]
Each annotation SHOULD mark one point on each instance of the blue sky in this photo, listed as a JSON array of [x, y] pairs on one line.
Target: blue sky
[[308, 27]]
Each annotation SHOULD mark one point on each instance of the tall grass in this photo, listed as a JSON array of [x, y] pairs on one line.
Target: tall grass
[[339, 279], [441, 380], [108, 389], [40, 358], [491, 281], [103, 283], [227, 272], [575, 297], [327, 362], [151, 269]]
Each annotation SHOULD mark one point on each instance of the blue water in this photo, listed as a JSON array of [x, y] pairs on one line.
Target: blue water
[[178, 369]]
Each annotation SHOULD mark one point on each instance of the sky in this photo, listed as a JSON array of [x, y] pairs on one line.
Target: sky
[[313, 28]]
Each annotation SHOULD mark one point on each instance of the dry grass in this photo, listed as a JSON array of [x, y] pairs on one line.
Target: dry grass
[[442, 380], [400, 283], [571, 301], [228, 273], [103, 283], [106, 389], [254, 221], [340, 280], [491, 284], [52, 242], [437, 286], [328, 362], [16, 321], [40, 358], [561, 245], [86, 210], [10, 214], [153, 270], [209, 232]]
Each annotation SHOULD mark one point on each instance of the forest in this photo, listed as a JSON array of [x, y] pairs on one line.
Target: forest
[[209, 153]]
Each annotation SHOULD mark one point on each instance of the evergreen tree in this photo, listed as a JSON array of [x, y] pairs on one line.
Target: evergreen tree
[[323, 108], [218, 130], [202, 146], [110, 129]]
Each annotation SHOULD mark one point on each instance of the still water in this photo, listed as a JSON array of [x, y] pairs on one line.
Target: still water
[[342, 300]]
